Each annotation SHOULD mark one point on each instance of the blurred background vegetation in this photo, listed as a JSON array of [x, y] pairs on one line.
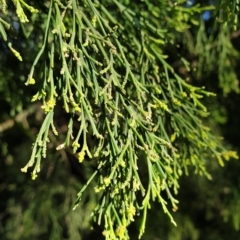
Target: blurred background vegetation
[[42, 209]]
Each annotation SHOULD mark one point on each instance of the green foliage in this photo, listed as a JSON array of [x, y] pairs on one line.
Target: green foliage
[[137, 121]]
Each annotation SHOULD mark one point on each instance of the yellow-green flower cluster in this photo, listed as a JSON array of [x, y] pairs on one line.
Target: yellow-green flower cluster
[[173, 137], [131, 212], [81, 155], [107, 181], [48, 106], [120, 231], [176, 102], [76, 107], [229, 154], [20, 13], [75, 146], [161, 105], [34, 176], [184, 94], [99, 188], [19, 10], [31, 81]]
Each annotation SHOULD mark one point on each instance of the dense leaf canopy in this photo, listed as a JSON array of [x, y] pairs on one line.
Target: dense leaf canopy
[[116, 92]]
